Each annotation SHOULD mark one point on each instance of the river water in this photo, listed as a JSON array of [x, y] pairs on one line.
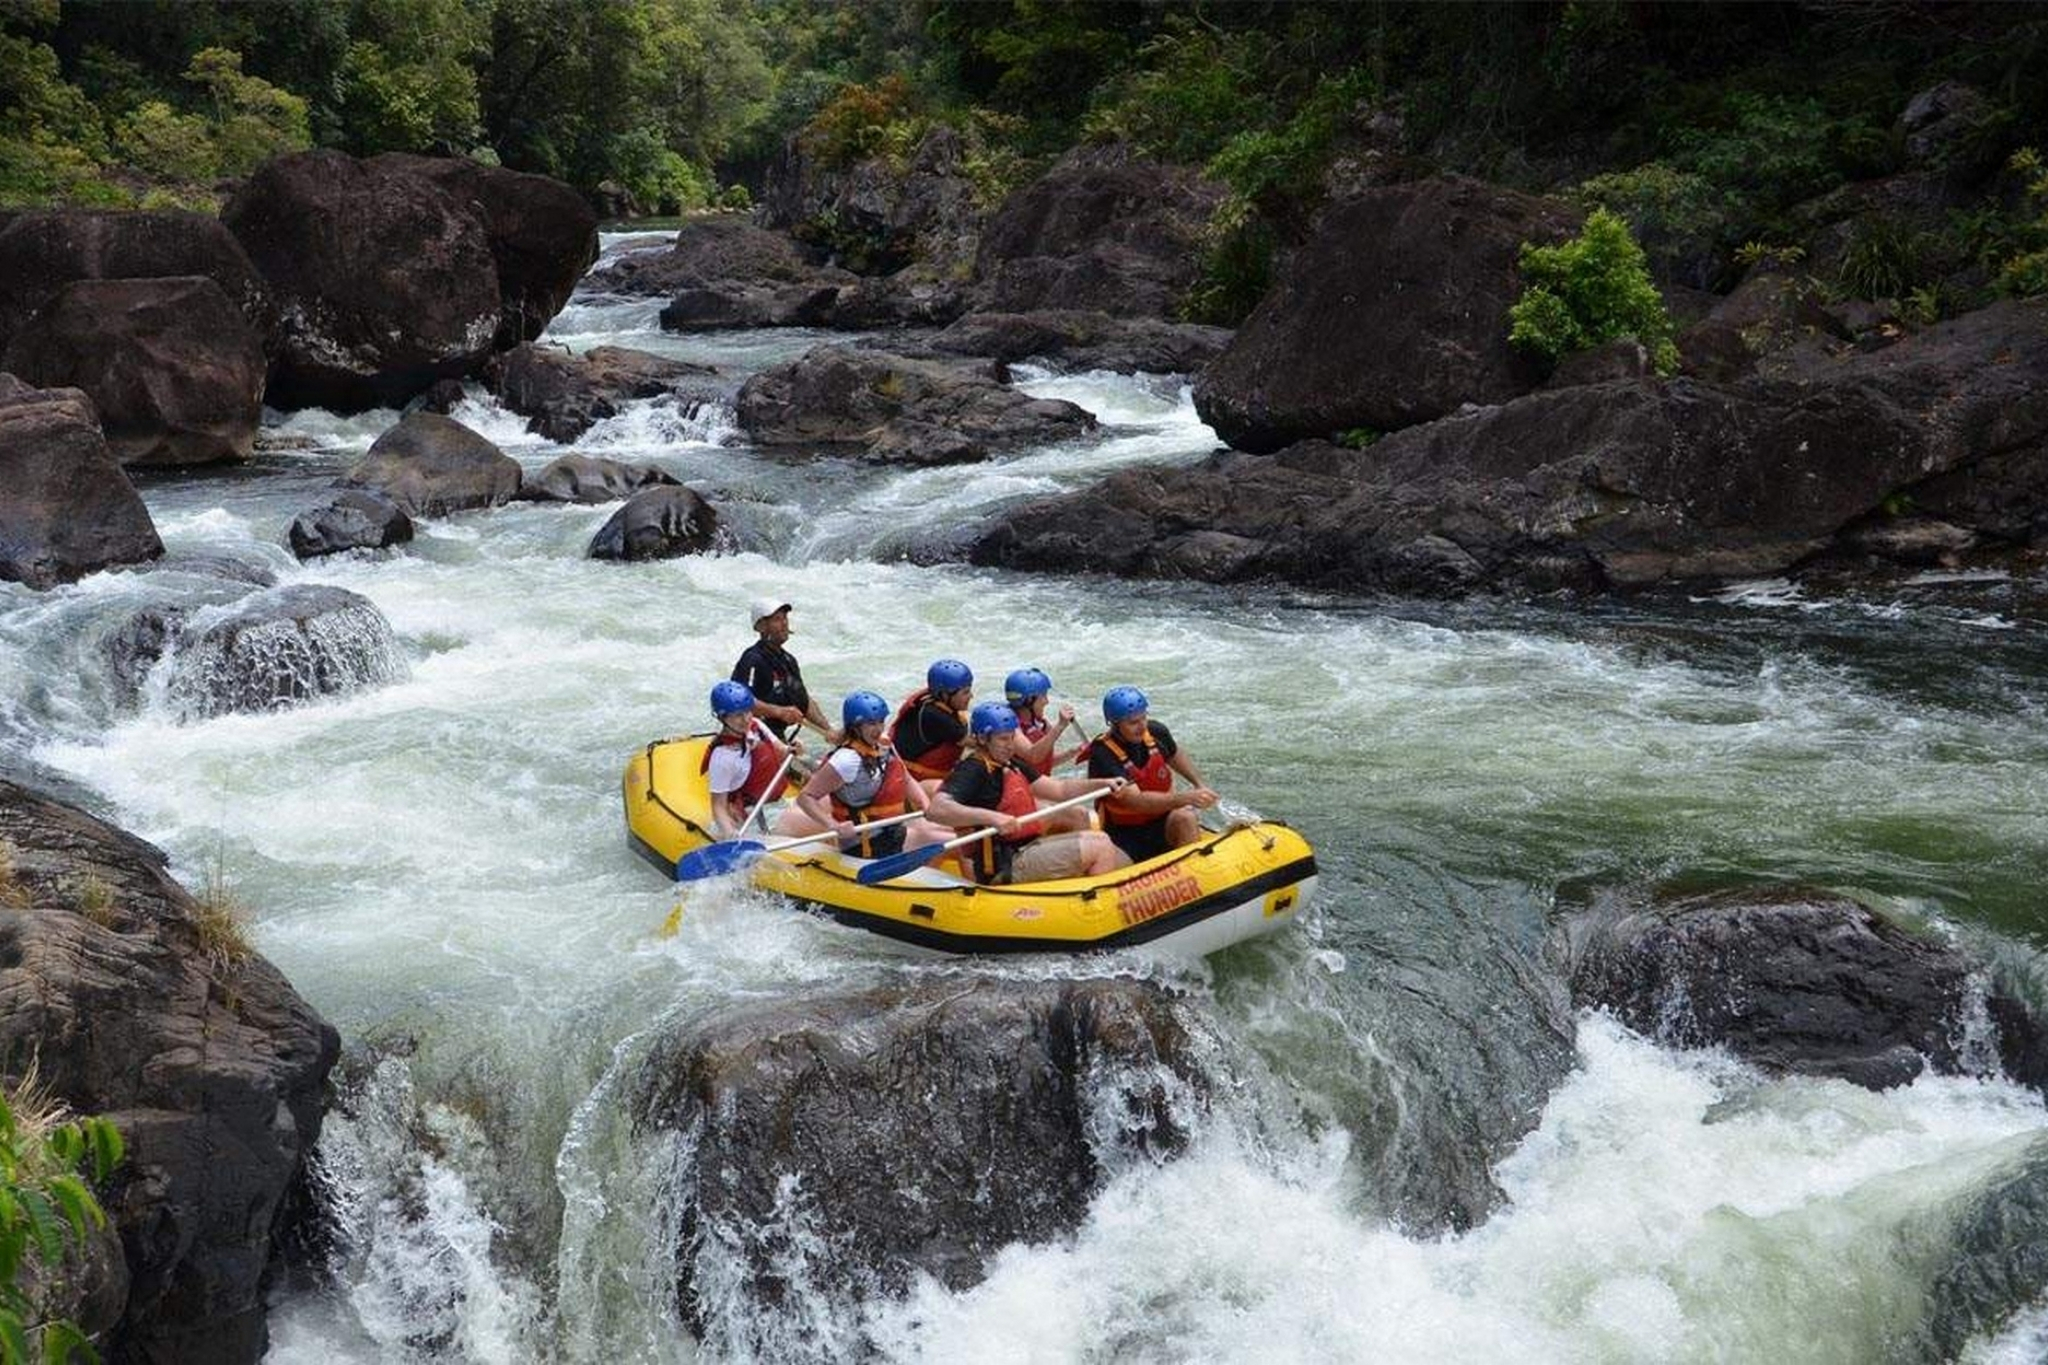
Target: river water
[[437, 863]]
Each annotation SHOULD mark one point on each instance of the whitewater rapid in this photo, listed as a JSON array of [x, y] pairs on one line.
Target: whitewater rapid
[[437, 863]]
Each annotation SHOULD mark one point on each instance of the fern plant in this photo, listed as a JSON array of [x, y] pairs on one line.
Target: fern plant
[[43, 1205]]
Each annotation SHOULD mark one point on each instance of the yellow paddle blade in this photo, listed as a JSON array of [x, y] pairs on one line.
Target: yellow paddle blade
[[674, 921]]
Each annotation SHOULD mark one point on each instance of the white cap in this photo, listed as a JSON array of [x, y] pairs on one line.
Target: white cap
[[764, 607]]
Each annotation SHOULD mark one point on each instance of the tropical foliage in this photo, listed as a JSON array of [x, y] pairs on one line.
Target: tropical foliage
[[1592, 289], [44, 1206]]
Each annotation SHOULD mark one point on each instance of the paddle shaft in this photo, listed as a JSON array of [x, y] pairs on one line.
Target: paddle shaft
[[887, 869], [860, 826], [774, 786], [1083, 799]]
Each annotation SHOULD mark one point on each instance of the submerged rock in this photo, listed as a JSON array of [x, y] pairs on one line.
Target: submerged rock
[[66, 507], [138, 1005], [564, 395], [173, 367], [1789, 978], [269, 649], [1082, 340], [432, 465], [587, 479], [657, 523], [841, 1145]]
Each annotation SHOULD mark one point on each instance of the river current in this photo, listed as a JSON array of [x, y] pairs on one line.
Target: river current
[[438, 865]]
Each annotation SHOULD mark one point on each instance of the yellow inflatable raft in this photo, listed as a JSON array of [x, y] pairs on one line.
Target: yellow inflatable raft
[[1237, 884]]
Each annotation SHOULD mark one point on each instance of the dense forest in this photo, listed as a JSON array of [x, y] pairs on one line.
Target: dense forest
[[1700, 125]]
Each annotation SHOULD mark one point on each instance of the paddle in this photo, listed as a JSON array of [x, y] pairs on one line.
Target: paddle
[[735, 855], [739, 835], [885, 869]]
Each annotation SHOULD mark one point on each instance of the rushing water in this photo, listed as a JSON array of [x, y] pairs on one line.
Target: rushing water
[[438, 865]]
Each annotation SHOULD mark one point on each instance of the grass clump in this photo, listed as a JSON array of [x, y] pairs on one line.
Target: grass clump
[[13, 895], [223, 923], [1590, 290], [94, 897]]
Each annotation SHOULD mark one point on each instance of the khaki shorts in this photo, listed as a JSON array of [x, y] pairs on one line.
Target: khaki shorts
[[1050, 858]]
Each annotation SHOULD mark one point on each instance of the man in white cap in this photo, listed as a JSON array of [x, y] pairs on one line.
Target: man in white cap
[[780, 698]]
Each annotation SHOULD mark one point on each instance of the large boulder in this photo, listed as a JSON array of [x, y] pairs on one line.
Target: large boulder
[[1394, 313], [384, 281], [845, 396], [910, 1129], [173, 367], [352, 519], [542, 234], [140, 1004], [1102, 230], [1615, 485], [432, 465], [563, 395], [710, 249], [879, 215], [42, 250], [1789, 978], [66, 507], [661, 522], [1772, 310]]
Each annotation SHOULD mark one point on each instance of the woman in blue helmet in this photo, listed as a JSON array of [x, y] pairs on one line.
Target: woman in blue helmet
[[861, 781], [1148, 817], [931, 724], [993, 787], [1028, 690], [741, 761]]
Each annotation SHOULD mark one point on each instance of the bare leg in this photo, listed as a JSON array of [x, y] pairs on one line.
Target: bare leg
[[1183, 827], [794, 822]]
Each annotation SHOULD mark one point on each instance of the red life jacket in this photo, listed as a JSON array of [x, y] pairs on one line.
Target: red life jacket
[[890, 798], [1154, 776], [935, 762], [763, 762], [993, 855]]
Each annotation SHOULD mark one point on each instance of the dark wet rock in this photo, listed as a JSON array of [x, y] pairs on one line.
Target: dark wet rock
[[1791, 979], [42, 250], [137, 645], [1393, 314], [900, 300], [1085, 341], [880, 215], [442, 396], [1990, 1248], [1102, 230], [586, 479], [709, 249], [657, 523], [909, 442], [1615, 485], [564, 395], [276, 648], [172, 366], [66, 507], [1622, 358], [384, 281], [918, 1128], [727, 305], [432, 465], [542, 234], [1919, 541], [207, 1061], [216, 567], [353, 519], [1769, 312], [1952, 127], [845, 396]]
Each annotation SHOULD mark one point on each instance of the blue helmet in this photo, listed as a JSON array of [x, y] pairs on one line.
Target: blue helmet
[[729, 697], [861, 707], [1025, 683], [992, 718], [948, 675], [1121, 703]]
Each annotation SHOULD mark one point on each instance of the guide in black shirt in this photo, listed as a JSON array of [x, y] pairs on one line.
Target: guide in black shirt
[[780, 698]]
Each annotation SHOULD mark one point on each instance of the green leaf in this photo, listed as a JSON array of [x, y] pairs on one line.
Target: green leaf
[[75, 1202], [44, 1226], [13, 1341], [108, 1147], [62, 1341]]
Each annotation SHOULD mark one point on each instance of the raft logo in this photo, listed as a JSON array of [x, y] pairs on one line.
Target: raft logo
[[1155, 893]]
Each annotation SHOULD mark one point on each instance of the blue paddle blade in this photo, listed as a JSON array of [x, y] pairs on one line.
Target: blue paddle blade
[[883, 869], [717, 860]]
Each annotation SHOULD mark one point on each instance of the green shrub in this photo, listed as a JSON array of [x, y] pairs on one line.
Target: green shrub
[[736, 198], [44, 1204], [1194, 89], [167, 145], [1592, 289], [1771, 150], [864, 121], [1658, 201], [659, 177], [2024, 274], [1882, 260]]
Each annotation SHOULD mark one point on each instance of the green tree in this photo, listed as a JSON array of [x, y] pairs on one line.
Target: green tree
[[1592, 289], [408, 80], [44, 1204], [253, 120]]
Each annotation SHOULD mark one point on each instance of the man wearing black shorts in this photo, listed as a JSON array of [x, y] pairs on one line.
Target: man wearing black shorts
[[1148, 817]]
